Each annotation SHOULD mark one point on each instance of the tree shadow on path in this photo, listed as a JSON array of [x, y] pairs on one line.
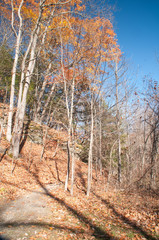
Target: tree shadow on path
[[95, 231], [126, 220], [98, 232]]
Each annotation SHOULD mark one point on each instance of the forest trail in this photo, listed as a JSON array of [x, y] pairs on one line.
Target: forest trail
[[47, 213], [34, 205], [18, 217]]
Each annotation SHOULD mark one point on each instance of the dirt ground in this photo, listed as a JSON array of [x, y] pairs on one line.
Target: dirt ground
[[17, 217], [34, 205]]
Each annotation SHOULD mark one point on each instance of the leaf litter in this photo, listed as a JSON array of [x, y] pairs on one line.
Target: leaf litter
[[34, 205]]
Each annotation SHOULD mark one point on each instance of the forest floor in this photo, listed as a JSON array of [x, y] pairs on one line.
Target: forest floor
[[34, 205]]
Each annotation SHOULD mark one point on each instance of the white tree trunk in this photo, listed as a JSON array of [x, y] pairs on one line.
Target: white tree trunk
[[19, 119], [70, 108], [118, 124], [73, 165], [14, 69], [70, 117]]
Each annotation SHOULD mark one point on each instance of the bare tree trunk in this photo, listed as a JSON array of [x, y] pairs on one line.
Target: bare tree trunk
[[110, 165], [70, 117], [19, 119], [118, 124], [145, 141], [90, 150], [153, 157], [35, 104], [45, 135], [70, 108], [73, 164], [28, 50], [39, 98], [128, 155], [96, 144], [14, 69], [100, 138], [47, 102]]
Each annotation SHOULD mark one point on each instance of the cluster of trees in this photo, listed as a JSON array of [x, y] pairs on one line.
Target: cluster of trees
[[62, 67]]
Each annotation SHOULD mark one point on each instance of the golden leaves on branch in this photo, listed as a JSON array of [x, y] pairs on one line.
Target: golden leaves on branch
[[84, 40]]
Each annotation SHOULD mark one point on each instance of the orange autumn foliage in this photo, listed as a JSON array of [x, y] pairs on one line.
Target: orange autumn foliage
[[85, 41]]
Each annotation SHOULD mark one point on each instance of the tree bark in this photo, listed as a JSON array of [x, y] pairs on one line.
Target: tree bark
[[118, 123], [90, 150], [19, 118], [14, 69], [39, 97], [100, 138], [73, 164], [47, 102]]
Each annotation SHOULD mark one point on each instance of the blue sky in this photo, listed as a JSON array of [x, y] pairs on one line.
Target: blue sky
[[136, 23]]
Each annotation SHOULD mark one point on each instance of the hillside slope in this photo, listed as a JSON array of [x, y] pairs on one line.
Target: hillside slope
[[54, 213]]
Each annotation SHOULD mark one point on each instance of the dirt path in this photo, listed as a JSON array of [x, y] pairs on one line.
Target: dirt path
[[20, 219]]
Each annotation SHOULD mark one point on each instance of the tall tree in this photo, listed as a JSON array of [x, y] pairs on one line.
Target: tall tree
[[14, 69], [118, 122], [40, 17]]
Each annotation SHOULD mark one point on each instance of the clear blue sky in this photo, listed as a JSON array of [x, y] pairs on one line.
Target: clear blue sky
[[136, 23]]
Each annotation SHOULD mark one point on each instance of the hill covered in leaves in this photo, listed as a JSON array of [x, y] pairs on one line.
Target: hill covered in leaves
[[107, 213]]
